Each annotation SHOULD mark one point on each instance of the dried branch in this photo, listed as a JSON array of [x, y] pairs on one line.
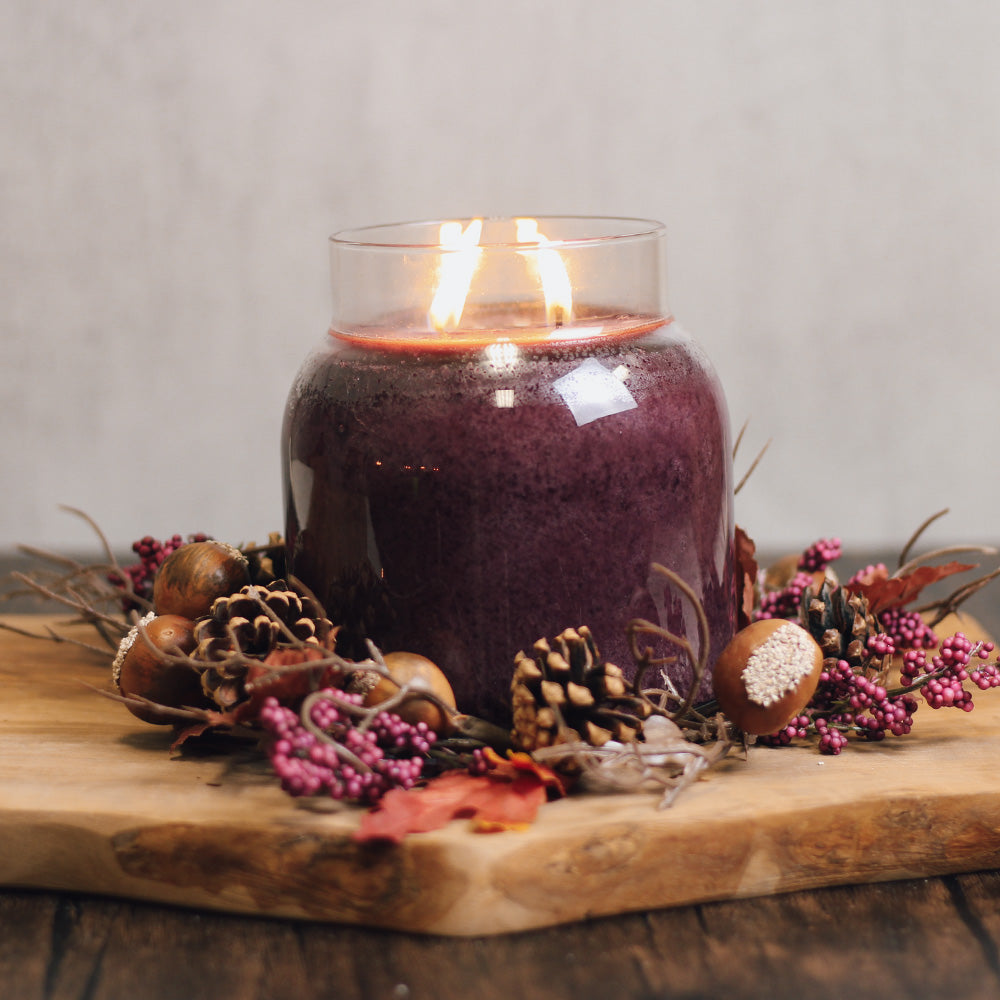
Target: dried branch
[[644, 658], [950, 604], [753, 466], [739, 438], [51, 635], [667, 760], [87, 611], [305, 714], [916, 534]]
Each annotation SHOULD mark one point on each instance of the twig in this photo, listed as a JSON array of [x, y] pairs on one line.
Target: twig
[[97, 531], [699, 663], [916, 534], [753, 465], [347, 756], [739, 437], [90, 613], [953, 601], [52, 636]]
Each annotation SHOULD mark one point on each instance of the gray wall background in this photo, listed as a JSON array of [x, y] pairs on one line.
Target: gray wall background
[[170, 173]]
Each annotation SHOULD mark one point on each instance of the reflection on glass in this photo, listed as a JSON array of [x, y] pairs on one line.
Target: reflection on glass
[[592, 392]]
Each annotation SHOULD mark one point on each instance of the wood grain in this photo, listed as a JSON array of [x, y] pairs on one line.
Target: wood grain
[[91, 801]]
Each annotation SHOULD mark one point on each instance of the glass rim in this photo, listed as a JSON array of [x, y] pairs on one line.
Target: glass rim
[[368, 237]]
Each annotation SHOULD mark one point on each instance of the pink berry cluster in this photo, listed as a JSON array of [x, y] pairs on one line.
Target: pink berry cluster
[[151, 553], [819, 555], [907, 629], [832, 733], [872, 569], [832, 739], [785, 603], [346, 761], [848, 702], [797, 728], [854, 702], [942, 681]]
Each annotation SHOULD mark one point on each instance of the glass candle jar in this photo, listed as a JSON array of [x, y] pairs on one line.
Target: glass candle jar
[[502, 431]]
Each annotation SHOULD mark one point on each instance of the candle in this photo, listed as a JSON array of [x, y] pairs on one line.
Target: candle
[[502, 431]]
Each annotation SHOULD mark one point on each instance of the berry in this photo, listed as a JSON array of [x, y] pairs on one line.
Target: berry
[[907, 629], [784, 603], [819, 555], [347, 762], [876, 570]]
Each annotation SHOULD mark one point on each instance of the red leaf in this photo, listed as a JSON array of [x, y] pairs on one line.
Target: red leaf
[[495, 801], [289, 686], [746, 577], [884, 592], [508, 767]]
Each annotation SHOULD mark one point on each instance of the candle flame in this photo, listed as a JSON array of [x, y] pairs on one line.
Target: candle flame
[[457, 266], [460, 258], [555, 281]]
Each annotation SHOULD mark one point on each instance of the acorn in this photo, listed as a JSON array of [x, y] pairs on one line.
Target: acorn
[[422, 675], [766, 675], [138, 670], [195, 575]]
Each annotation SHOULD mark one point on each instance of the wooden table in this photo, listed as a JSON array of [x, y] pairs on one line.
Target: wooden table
[[933, 937]]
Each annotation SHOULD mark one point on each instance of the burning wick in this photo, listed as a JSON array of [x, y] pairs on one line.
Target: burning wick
[[456, 269], [551, 269], [460, 259]]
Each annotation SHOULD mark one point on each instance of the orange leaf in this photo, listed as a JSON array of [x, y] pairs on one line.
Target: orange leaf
[[518, 762], [494, 803]]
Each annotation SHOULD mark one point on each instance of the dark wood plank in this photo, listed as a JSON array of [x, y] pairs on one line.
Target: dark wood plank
[[932, 938]]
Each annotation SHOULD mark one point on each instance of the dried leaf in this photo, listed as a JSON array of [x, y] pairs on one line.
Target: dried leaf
[[208, 720], [262, 681], [508, 798], [746, 577], [883, 591], [517, 762]]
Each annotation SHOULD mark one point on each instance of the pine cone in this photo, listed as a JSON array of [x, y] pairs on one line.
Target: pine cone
[[842, 624], [244, 617], [564, 692]]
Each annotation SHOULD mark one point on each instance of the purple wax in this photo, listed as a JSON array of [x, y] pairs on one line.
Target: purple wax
[[463, 504]]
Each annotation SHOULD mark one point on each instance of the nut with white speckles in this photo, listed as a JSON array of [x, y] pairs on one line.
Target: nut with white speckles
[[767, 675]]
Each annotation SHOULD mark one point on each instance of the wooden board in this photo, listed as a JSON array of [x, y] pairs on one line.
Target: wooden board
[[91, 800]]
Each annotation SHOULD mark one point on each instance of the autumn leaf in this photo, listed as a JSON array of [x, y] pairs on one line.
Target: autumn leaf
[[516, 761], [204, 720], [746, 577], [506, 798], [277, 676], [883, 591]]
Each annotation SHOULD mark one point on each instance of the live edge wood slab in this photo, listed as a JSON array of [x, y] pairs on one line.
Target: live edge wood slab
[[91, 800]]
